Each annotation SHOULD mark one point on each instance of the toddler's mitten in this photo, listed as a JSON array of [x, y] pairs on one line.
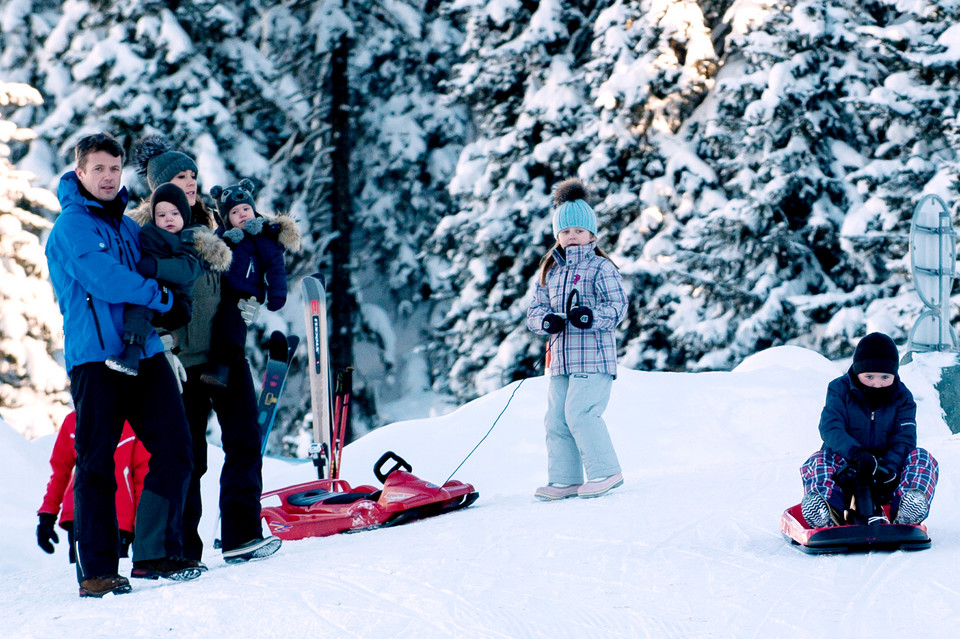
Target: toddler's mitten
[[581, 317], [275, 303], [147, 266], [552, 323], [249, 310], [254, 226], [234, 235]]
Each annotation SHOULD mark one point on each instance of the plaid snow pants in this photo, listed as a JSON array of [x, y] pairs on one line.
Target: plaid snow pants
[[920, 472]]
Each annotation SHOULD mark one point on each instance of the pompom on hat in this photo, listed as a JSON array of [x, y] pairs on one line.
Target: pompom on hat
[[158, 163], [571, 208], [876, 353], [231, 196]]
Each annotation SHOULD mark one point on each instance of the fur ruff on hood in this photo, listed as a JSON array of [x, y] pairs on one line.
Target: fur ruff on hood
[[289, 236], [211, 249]]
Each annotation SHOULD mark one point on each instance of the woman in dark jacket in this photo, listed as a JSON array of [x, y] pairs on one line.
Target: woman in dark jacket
[[235, 405], [869, 423]]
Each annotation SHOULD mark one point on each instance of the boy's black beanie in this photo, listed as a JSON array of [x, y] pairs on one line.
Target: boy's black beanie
[[876, 353]]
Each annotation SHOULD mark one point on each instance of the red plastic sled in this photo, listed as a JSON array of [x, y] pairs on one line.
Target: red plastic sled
[[329, 506], [852, 538]]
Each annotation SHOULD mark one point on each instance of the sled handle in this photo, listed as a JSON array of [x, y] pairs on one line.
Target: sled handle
[[401, 463]]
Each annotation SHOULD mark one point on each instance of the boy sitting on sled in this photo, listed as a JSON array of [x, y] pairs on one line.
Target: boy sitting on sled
[[869, 426]]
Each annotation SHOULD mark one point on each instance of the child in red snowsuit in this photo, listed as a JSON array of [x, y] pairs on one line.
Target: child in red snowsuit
[[130, 460]]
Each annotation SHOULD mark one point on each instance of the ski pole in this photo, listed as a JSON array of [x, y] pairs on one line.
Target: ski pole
[[346, 388], [337, 407]]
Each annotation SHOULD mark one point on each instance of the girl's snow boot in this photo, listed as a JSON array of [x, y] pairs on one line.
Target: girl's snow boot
[[553, 492]]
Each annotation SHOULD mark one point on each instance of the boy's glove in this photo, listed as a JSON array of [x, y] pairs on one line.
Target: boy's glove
[[864, 462], [553, 323], [885, 477], [46, 535], [581, 317], [249, 310], [254, 226]]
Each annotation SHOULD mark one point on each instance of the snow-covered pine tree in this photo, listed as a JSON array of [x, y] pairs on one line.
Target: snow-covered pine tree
[[597, 90], [773, 211], [34, 395]]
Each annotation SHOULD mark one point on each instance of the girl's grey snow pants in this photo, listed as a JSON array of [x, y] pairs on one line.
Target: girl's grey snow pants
[[577, 437]]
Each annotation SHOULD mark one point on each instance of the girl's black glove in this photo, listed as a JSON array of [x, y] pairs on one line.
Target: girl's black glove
[[581, 317], [46, 535], [552, 323]]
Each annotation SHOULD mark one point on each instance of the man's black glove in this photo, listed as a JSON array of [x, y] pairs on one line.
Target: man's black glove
[[552, 323], [46, 535], [864, 462], [581, 317]]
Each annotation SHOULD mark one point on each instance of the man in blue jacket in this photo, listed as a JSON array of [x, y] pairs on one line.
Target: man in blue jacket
[[92, 253]]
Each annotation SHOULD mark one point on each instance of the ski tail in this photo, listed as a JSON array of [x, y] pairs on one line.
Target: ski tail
[[315, 317]]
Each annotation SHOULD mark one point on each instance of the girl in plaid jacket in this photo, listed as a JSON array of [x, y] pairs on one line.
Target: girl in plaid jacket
[[869, 424], [578, 302]]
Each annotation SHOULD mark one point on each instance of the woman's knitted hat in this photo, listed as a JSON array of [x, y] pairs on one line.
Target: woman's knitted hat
[[158, 163], [174, 194], [571, 208], [876, 353], [227, 198]]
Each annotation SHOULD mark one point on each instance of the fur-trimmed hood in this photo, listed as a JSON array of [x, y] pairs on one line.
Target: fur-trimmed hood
[[289, 234], [211, 249]]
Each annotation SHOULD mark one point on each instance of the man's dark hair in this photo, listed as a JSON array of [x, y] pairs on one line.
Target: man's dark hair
[[97, 142]]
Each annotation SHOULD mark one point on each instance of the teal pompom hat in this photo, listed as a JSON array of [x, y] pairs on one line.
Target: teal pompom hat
[[571, 208]]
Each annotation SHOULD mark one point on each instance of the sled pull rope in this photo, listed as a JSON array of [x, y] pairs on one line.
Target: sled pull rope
[[507, 405]]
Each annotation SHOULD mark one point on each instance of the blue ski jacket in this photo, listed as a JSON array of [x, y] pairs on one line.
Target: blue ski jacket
[[92, 255], [848, 422]]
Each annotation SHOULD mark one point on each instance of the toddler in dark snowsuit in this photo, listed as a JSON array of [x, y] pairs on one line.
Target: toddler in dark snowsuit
[[167, 254], [257, 271], [869, 424]]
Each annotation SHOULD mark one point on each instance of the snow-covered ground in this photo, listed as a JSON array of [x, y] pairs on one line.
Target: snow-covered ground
[[688, 547]]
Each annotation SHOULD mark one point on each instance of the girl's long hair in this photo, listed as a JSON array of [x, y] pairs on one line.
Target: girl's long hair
[[201, 214], [548, 260]]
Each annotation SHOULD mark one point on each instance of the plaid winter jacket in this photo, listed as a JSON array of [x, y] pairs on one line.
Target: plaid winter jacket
[[599, 287]]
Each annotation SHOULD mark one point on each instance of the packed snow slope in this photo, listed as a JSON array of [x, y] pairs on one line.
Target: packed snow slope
[[687, 547]]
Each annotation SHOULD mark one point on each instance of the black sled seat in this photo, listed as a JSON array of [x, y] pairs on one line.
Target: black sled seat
[[317, 496]]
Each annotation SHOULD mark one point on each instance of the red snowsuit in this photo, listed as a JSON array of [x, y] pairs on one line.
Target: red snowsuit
[[130, 463]]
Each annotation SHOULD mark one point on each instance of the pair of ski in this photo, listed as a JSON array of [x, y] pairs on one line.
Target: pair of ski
[[329, 431]]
